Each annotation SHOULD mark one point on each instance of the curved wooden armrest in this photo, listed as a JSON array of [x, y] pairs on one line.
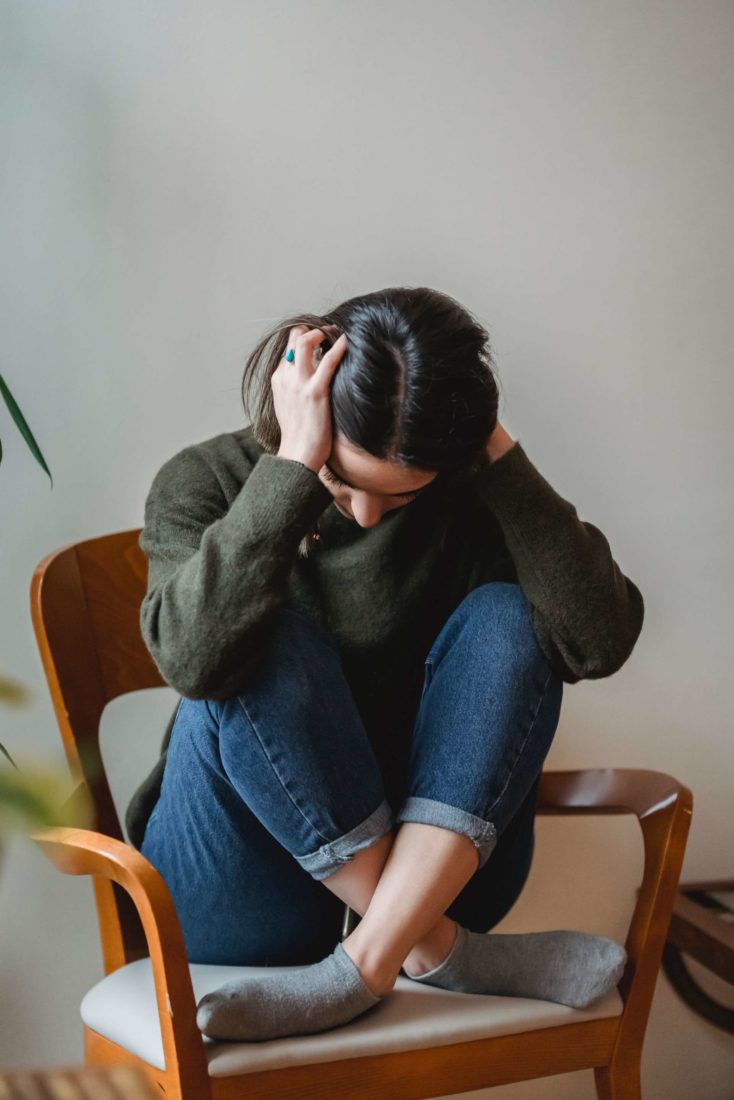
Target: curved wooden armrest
[[610, 791], [84, 852], [663, 807]]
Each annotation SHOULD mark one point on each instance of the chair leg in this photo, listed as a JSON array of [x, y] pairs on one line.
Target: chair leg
[[618, 1081]]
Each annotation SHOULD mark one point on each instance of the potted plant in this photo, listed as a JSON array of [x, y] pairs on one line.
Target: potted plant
[[36, 795]]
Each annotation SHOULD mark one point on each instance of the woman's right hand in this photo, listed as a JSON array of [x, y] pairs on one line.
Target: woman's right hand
[[301, 396]]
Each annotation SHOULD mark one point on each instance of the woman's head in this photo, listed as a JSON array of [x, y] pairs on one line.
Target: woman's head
[[415, 389]]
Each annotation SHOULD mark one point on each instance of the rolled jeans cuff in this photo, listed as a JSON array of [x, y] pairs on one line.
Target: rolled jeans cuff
[[330, 857], [428, 811]]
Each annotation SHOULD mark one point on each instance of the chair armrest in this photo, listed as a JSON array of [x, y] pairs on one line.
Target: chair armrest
[[84, 852], [610, 791], [663, 807]]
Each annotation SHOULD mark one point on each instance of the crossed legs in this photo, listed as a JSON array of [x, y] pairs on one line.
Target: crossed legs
[[290, 754], [403, 928]]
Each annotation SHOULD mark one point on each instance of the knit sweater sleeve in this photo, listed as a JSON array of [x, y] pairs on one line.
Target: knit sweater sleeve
[[216, 574], [586, 613]]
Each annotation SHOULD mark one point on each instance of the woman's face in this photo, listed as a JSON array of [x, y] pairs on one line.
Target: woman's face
[[365, 487]]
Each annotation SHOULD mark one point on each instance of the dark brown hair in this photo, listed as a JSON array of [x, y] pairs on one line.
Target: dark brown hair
[[416, 385]]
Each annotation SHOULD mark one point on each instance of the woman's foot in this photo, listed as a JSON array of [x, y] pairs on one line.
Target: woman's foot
[[570, 968], [316, 998]]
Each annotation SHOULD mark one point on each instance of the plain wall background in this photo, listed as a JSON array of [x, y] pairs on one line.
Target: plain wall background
[[176, 176]]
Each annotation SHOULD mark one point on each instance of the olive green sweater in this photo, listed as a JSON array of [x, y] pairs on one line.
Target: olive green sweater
[[224, 521]]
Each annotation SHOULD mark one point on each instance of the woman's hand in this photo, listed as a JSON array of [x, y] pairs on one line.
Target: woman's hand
[[301, 396], [499, 443]]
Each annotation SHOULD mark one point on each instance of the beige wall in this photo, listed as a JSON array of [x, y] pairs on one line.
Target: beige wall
[[177, 174]]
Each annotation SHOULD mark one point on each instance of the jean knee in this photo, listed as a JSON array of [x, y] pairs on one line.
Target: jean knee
[[298, 656], [500, 610], [499, 597]]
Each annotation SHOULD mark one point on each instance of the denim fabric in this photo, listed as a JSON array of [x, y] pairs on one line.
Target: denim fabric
[[267, 793]]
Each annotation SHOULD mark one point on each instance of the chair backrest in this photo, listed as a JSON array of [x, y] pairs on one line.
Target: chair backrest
[[85, 607]]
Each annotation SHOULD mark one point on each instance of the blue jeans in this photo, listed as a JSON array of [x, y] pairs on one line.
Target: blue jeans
[[269, 792]]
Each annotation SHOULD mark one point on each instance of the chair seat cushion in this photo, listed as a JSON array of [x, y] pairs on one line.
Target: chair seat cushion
[[122, 1008]]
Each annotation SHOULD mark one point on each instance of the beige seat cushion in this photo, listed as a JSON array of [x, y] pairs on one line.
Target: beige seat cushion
[[122, 1008]]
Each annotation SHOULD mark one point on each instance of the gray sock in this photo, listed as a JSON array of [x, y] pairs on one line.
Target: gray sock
[[319, 997], [571, 968]]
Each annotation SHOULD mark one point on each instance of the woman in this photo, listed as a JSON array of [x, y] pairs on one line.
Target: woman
[[368, 601]]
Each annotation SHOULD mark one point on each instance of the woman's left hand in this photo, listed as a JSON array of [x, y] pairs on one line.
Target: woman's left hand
[[499, 443]]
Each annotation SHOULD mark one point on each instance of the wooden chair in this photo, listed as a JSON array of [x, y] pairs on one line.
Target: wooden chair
[[419, 1042]]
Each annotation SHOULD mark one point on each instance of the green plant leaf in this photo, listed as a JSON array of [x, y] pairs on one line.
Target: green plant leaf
[[4, 750], [27, 803], [13, 692], [21, 424], [39, 796]]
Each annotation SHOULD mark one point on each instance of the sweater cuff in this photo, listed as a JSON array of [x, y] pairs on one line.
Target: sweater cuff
[[283, 497]]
